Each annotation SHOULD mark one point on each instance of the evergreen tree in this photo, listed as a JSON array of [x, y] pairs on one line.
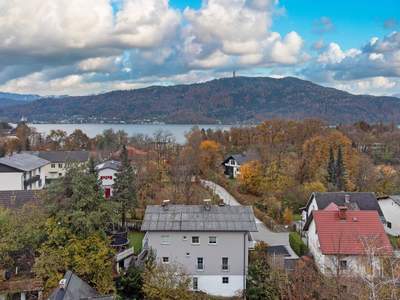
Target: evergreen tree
[[331, 167], [123, 189], [92, 166], [340, 171]]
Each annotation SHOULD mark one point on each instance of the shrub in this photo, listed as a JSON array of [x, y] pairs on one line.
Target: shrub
[[297, 244]]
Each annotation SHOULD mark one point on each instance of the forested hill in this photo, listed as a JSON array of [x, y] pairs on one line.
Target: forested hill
[[228, 100]]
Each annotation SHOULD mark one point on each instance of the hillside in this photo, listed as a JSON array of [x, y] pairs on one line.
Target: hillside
[[228, 100]]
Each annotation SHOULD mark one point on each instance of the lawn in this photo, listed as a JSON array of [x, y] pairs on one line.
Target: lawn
[[135, 240]]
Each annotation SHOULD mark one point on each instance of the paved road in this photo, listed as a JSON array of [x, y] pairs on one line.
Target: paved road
[[263, 234]]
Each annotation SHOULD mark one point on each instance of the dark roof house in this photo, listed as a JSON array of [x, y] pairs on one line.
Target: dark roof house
[[71, 287], [63, 156], [243, 158], [18, 198], [199, 218]]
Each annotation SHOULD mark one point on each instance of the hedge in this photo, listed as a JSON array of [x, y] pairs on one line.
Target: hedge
[[297, 244]]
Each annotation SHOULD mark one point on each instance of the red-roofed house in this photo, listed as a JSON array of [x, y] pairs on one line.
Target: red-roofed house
[[352, 241]]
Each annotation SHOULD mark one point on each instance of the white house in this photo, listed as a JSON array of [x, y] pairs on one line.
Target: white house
[[351, 200], [390, 207], [209, 242], [347, 241], [59, 161], [22, 171], [106, 172], [233, 162]]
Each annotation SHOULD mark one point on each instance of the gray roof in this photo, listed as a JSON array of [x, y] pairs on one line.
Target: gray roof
[[109, 164], [395, 198], [63, 156], [358, 200], [76, 289], [23, 161], [17, 199], [277, 251], [245, 157], [198, 218]]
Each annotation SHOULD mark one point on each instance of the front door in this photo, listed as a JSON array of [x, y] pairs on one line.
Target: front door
[[107, 193]]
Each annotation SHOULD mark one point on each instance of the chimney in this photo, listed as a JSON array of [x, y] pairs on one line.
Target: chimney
[[62, 284], [207, 204], [347, 198], [342, 212], [165, 204]]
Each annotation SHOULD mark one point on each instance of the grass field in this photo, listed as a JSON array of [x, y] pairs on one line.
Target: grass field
[[135, 240]]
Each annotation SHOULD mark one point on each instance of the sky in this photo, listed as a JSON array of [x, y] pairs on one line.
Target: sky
[[75, 47]]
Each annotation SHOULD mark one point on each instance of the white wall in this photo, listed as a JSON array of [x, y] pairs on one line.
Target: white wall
[[391, 211], [108, 181], [11, 181], [212, 284]]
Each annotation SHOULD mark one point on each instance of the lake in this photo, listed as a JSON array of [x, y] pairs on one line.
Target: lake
[[178, 131]]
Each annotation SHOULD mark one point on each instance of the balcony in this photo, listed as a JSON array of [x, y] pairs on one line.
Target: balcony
[[32, 180]]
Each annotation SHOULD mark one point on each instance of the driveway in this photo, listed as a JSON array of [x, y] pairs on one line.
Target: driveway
[[264, 233]]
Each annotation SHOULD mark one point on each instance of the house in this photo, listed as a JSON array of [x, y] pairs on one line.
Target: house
[[233, 162], [71, 287], [353, 201], [59, 161], [21, 288], [106, 172], [17, 199], [347, 241], [390, 207], [22, 171], [209, 242]]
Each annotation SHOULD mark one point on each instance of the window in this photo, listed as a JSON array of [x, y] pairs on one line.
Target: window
[[225, 280], [389, 224], [212, 240], [343, 264], [225, 266], [165, 240], [187, 254], [165, 259], [195, 240], [60, 165], [184, 238], [195, 284], [200, 263], [53, 166]]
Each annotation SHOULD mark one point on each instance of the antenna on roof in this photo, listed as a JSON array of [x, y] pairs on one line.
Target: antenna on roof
[[207, 204], [165, 203]]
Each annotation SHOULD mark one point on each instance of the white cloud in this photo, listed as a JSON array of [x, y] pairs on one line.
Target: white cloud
[[374, 86]]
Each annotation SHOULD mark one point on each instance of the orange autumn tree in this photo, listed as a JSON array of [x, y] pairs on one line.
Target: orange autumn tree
[[210, 155], [251, 177]]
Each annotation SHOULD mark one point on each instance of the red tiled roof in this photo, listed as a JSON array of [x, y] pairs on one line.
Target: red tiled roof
[[351, 235]]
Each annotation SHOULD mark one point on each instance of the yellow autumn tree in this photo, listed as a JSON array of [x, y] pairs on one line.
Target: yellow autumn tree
[[210, 155], [250, 177], [287, 216]]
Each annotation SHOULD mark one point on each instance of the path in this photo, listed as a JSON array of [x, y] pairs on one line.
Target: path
[[264, 233]]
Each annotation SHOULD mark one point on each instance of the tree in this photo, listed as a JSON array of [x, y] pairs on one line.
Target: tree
[[124, 190], [92, 166], [23, 133], [288, 216], [77, 140], [251, 177], [166, 282], [341, 175], [331, 167], [129, 285], [263, 282], [210, 155]]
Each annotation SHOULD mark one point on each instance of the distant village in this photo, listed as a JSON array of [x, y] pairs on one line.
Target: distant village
[[282, 210]]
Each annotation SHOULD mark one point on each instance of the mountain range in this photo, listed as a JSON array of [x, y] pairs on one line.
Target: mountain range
[[244, 100]]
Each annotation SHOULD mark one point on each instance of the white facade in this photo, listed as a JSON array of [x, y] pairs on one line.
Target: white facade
[[224, 257], [234, 166], [22, 180], [54, 170], [11, 181], [391, 211], [107, 176], [330, 264]]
